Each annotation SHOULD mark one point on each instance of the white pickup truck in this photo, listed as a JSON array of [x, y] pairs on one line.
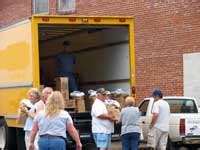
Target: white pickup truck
[[184, 121]]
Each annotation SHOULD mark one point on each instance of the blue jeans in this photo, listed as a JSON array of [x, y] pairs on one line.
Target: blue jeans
[[130, 141], [72, 82], [49, 143]]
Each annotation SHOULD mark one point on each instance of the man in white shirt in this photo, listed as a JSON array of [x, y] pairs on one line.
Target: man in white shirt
[[102, 122], [159, 127], [40, 105]]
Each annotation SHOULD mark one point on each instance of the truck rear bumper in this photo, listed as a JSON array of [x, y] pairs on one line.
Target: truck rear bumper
[[191, 140]]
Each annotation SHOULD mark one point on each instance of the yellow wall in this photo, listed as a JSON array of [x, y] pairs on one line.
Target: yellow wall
[[15, 67], [16, 54]]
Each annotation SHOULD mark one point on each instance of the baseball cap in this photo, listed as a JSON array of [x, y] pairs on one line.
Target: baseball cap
[[157, 92], [101, 91]]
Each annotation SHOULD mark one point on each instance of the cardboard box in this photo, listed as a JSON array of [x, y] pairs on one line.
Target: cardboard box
[[112, 110], [70, 103], [62, 84], [78, 97], [21, 116], [65, 94], [120, 98], [80, 105], [92, 99]]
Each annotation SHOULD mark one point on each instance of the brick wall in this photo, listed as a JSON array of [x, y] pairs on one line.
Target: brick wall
[[164, 31], [12, 11]]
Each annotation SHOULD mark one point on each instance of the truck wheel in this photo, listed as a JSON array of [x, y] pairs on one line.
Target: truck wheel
[[3, 134], [170, 145]]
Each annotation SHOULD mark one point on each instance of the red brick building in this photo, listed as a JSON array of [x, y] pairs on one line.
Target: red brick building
[[164, 31]]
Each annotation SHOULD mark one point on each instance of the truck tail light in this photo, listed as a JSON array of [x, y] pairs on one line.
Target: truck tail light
[[133, 90], [182, 127]]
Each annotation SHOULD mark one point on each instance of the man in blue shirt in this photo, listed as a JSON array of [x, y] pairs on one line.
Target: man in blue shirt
[[65, 64]]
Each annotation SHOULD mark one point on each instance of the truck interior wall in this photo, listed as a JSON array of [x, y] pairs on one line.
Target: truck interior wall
[[106, 58]]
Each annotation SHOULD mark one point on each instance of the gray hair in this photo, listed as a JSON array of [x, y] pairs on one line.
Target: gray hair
[[129, 101], [47, 89]]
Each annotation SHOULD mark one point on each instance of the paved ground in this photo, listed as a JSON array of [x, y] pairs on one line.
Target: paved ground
[[117, 146]]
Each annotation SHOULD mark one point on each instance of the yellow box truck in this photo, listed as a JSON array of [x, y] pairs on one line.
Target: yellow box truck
[[104, 51]]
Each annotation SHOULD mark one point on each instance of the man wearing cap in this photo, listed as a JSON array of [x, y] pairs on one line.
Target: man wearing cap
[[102, 122], [65, 64], [159, 127]]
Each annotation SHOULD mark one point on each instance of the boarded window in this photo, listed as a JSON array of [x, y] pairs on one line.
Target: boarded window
[[66, 5], [40, 6]]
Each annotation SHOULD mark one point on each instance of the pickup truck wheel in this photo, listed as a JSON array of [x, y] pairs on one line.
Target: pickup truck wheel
[[170, 145], [3, 134]]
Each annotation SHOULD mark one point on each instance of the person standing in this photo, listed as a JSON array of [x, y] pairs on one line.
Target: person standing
[[51, 125], [102, 122], [65, 64], [34, 96], [130, 130], [40, 105], [159, 127]]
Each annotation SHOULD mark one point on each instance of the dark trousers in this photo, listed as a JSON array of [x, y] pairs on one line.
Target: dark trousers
[[72, 82], [130, 141]]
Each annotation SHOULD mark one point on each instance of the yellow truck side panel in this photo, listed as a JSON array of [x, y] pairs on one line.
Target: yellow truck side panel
[[16, 55], [16, 71]]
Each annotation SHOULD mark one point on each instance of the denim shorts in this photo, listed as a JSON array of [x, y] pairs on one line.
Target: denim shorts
[[102, 140]]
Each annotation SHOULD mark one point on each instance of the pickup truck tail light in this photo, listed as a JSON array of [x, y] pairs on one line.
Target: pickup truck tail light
[[182, 127]]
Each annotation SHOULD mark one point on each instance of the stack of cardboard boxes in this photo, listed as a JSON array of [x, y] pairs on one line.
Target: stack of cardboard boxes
[[80, 103], [76, 103], [120, 98]]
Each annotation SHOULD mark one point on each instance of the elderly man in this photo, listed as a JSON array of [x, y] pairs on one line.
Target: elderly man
[[102, 122], [40, 105]]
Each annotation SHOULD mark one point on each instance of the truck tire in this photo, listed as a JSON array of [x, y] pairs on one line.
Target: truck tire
[[3, 134], [171, 145]]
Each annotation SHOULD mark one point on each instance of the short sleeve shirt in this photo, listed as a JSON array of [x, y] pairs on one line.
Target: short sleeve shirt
[[56, 126], [129, 117], [29, 121], [39, 106], [161, 107], [100, 125], [65, 63]]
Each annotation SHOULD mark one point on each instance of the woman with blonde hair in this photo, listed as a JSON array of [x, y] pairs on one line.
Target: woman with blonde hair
[[130, 130], [51, 125]]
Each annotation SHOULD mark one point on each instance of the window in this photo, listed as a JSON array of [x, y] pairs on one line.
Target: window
[[182, 105], [40, 6], [66, 5], [143, 107]]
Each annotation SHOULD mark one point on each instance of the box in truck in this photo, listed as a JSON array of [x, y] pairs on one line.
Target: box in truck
[[104, 51]]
